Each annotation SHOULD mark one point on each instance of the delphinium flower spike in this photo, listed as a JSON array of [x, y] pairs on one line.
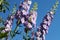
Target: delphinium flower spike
[[33, 18], [44, 26], [30, 20], [7, 27], [23, 11], [33, 15], [8, 22]]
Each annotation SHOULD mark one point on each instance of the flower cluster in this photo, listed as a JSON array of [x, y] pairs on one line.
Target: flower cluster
[[22, 15], [8, 24], [44, 26], [28, 19]]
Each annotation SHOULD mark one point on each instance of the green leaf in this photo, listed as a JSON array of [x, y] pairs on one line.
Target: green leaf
[[2, 35], [14, 9], [2, 28], [3, 9], [4, 6], [6, 3], [1, 1], [1, 20]]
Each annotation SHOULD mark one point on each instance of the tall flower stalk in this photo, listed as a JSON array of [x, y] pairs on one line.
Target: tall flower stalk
[[28, 19], [44, 26]]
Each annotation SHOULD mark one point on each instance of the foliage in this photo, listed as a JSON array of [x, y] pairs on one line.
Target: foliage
[[4, 5]]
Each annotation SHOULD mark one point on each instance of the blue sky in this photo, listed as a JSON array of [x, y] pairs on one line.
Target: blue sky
[[43, 7]]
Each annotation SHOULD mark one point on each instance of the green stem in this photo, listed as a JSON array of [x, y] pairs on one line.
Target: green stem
[[16, 28]]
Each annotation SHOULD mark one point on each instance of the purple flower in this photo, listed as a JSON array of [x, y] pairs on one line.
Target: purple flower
[[18, 14], [44, 26], [8, 24], [28, 25], [38, 33], [38, 38], [22, 20], [32, 18], [24, 12], [24, 7]]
